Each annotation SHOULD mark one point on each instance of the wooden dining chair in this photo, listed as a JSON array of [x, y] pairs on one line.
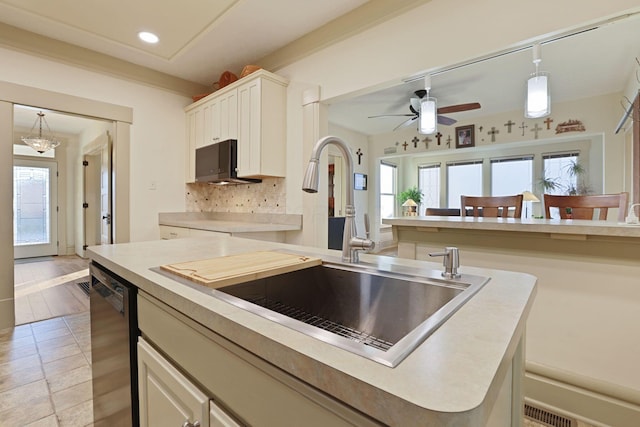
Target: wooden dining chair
[[583, 207], [491, 206], [442, 212]]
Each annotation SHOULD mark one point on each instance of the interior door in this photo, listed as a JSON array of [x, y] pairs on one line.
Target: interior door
[[35, 216], [98, 220], [105, 194]]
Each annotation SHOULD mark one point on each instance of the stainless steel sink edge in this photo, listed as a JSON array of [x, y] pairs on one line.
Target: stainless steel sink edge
[[470, 285]]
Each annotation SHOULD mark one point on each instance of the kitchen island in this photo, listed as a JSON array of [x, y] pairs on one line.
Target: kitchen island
[[468, 372], [582, 335]]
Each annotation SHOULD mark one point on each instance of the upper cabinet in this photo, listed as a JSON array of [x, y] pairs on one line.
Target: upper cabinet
[[251, 110]]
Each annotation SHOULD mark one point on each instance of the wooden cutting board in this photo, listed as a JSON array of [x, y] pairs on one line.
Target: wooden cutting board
[[232, 269]]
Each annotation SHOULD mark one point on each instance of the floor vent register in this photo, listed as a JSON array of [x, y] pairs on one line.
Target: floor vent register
[[547, 418]]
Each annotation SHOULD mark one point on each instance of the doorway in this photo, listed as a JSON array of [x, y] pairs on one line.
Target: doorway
[[35, 216], [97, 189]]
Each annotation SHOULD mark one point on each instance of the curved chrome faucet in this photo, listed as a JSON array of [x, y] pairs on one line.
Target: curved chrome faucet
[[351, 243]]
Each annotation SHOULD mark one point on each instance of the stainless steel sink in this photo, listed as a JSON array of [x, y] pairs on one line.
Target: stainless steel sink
[[381, 315]]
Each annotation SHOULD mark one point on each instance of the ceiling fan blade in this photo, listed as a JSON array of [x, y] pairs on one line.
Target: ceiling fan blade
[[458, 108], [446, 121], [406, 123], [391, 115]]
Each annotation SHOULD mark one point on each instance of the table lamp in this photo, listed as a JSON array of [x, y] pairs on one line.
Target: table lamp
[[528, 196]]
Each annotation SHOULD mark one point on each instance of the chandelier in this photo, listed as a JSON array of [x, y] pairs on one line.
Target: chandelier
[[39, 142]]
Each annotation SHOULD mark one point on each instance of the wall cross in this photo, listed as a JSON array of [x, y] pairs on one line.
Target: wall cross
[[523, 127], [536, 129], [493, 133], [508, 125]]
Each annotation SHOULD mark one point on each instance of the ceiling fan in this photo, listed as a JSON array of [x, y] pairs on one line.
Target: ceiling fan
[[414, 106]]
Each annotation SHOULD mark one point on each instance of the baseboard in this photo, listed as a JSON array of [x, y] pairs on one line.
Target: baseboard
[[574, 401]]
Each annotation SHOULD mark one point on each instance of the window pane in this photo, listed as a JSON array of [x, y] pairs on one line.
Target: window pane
[[463, 179], [387, 190], [387, 205], [557, 170], [511, 177], [429, 184], [30, 205], [557, 177], [387, 181]]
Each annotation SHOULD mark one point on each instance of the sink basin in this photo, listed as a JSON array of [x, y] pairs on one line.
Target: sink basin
[[381, 315]]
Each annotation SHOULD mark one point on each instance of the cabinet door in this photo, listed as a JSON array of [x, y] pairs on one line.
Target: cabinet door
[[228, 116], [249, 147], [167, 398]]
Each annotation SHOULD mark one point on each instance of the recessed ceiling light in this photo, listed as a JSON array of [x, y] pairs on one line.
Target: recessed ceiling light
[[148, 37]]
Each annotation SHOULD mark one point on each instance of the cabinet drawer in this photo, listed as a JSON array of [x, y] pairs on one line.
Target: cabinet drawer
[[250, 388], [168, 232]]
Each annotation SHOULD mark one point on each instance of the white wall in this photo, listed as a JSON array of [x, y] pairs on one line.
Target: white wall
[[157, 133]]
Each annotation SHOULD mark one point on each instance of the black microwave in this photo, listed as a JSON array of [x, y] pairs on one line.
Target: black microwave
[[217, 164]]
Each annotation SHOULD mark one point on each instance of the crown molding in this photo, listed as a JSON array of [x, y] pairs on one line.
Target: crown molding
[[25, 41]]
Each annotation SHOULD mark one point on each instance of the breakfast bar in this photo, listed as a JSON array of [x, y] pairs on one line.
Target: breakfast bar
[[582, 334]]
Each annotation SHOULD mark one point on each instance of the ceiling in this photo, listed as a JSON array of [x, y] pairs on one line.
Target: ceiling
[[243, 31], [199, 39], [592, 63]]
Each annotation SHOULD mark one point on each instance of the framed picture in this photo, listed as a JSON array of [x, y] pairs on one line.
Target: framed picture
[[465, 136], [359, 181]]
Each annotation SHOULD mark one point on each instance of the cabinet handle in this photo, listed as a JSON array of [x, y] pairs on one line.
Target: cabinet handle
[[193, 424]]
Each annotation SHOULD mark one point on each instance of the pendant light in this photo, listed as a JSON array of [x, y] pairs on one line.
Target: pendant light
[[40, 142], [428, 123], [538, 100]]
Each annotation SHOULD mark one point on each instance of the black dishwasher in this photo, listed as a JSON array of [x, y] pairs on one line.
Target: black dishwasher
[[114, 333]]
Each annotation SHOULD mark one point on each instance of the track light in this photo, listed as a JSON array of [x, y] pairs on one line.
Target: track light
[[538, 100], [428, 123]]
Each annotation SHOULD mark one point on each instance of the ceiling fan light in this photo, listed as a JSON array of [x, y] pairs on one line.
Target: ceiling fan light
[[428, 123], [538, 101]]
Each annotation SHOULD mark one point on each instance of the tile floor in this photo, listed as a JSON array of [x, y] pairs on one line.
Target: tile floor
[[45, 373], [47, 287]]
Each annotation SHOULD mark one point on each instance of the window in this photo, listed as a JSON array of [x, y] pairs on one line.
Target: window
[[464, 178], [429, 185], [388, 178], [558, 176], [511, 176]]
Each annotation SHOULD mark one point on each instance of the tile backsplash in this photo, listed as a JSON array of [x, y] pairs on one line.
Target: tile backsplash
[[268, 196]]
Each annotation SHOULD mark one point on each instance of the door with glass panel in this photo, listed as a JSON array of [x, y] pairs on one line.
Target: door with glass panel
[[35, 217]]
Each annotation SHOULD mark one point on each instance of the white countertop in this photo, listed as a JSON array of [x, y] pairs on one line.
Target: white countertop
[[449, 376], [231, 222], [568, 226]]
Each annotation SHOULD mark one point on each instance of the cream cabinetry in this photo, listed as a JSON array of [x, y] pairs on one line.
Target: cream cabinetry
[[251, 110], [168, 398], [262, 127], [250, 389], [221, 118], [210, 120], [168, 232]]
